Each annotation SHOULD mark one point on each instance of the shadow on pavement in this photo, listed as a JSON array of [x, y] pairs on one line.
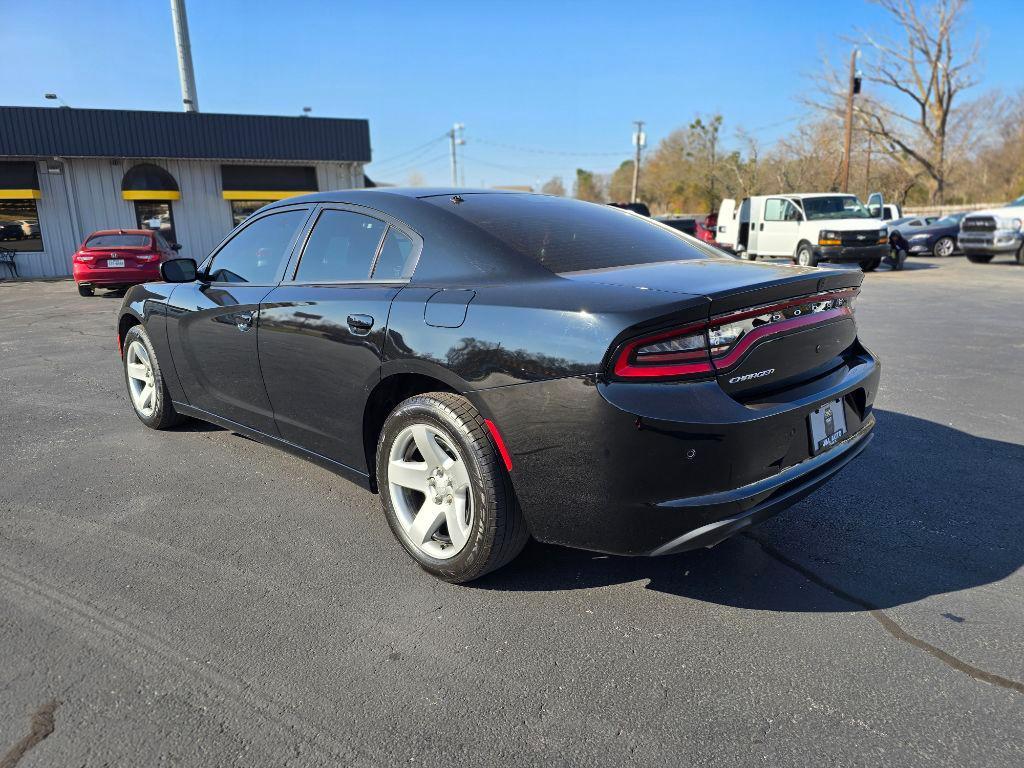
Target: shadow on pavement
[[926, 510]]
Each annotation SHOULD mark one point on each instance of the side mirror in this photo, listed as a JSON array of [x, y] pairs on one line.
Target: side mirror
[[179, 270], [176, 247]]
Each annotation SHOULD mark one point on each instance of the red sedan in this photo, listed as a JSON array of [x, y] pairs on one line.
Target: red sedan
[[117, 258]]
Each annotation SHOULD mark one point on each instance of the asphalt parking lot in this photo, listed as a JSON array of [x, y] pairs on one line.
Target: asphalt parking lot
[[196, 598]]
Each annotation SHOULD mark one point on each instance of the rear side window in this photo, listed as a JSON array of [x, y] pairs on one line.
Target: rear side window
[[341, 248], [118, 241], [255, 254], [395, 259], [568, 235]]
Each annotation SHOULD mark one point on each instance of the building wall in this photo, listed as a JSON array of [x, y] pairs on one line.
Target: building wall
[[87, 197]]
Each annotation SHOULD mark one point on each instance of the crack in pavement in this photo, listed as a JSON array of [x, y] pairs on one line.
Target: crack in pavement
[[888, 624], [41, 727]]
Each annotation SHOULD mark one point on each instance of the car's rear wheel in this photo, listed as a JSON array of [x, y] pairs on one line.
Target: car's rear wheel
[[979, 258], [145, 380], [944, 247], [445, 490], [86, 290], [870, 265]]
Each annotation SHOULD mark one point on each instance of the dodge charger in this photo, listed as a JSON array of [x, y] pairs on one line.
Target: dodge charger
[[499, 366]]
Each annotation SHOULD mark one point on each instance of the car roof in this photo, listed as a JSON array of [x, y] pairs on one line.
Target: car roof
[[367, 194]]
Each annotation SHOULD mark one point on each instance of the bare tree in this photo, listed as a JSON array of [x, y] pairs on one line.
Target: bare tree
[[925, 73], [554, 186]]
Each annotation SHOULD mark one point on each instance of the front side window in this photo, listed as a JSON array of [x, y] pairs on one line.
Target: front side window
[[157, 216], [778, 209], [256, 253], [19, 225], [341, 248]]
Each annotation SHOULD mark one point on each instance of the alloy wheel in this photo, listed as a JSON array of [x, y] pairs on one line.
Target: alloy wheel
[[141, 381], [944, 247], [429, 486]]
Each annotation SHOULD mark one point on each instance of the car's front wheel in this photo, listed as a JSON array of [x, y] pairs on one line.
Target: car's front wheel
[[445, 490], [805, 256], [979, 258], [944, 247], [145, 380]]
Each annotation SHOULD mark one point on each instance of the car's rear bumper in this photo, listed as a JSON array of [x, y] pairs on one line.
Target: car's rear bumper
[[744, 507], [119, 276], [641, 469], [851, 253]]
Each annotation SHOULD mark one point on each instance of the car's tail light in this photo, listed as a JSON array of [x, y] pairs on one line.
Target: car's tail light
[[705, 349], [147, 257], [82, 258]]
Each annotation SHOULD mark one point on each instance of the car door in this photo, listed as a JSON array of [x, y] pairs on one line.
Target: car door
[[322, 329], [779, 233], [213, 322]]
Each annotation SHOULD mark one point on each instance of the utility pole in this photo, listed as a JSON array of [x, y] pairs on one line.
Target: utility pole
[[867, 169], [455, 136], [854, 88], [639, 140], [188, 76]]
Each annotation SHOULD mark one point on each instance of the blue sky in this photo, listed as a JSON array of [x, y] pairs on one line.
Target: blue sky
[[568, 77]]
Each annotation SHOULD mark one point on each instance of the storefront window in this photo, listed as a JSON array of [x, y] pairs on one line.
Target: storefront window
[[243, 209], [19, 225], [156, 215]]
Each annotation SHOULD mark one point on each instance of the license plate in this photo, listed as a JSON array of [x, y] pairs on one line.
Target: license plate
[[828, 426], [115, 262]]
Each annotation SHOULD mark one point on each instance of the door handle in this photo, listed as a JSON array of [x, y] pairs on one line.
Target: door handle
[[243, 320], [360, 324]]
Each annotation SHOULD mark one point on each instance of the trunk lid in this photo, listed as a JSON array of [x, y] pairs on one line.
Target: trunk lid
[[790, 323]]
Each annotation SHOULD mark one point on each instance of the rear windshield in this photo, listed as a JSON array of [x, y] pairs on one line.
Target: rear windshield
[[118, 241], [569, 236]]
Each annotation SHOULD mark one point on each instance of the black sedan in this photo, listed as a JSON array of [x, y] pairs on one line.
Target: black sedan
[[501, 365], [936, 239]]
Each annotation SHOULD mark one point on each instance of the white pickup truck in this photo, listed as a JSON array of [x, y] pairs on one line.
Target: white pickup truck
[[985, 234], [807, 228]]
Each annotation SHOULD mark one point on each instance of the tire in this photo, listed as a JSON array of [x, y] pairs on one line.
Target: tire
[[805, 256], [86, 290], [871, 265], [1020, 255], [472, 473], [979, 258], [157, 411], [944, 247]]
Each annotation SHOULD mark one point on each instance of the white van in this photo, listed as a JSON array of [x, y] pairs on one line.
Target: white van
[[807, 228]]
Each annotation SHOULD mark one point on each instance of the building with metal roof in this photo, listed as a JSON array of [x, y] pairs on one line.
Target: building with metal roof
[[67, 172]]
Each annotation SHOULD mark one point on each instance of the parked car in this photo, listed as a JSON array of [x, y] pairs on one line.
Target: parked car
[[985, 234], [695, 226], [807, 228], [117, 258], [11, 230], [497, 365], [935, 238]]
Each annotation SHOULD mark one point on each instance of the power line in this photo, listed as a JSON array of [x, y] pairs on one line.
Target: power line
[[539, 151], [425, 145], [398, 170]]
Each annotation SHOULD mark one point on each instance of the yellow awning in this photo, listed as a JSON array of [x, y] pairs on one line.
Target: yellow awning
[[20, 194], [264, 194], [150, 194]]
